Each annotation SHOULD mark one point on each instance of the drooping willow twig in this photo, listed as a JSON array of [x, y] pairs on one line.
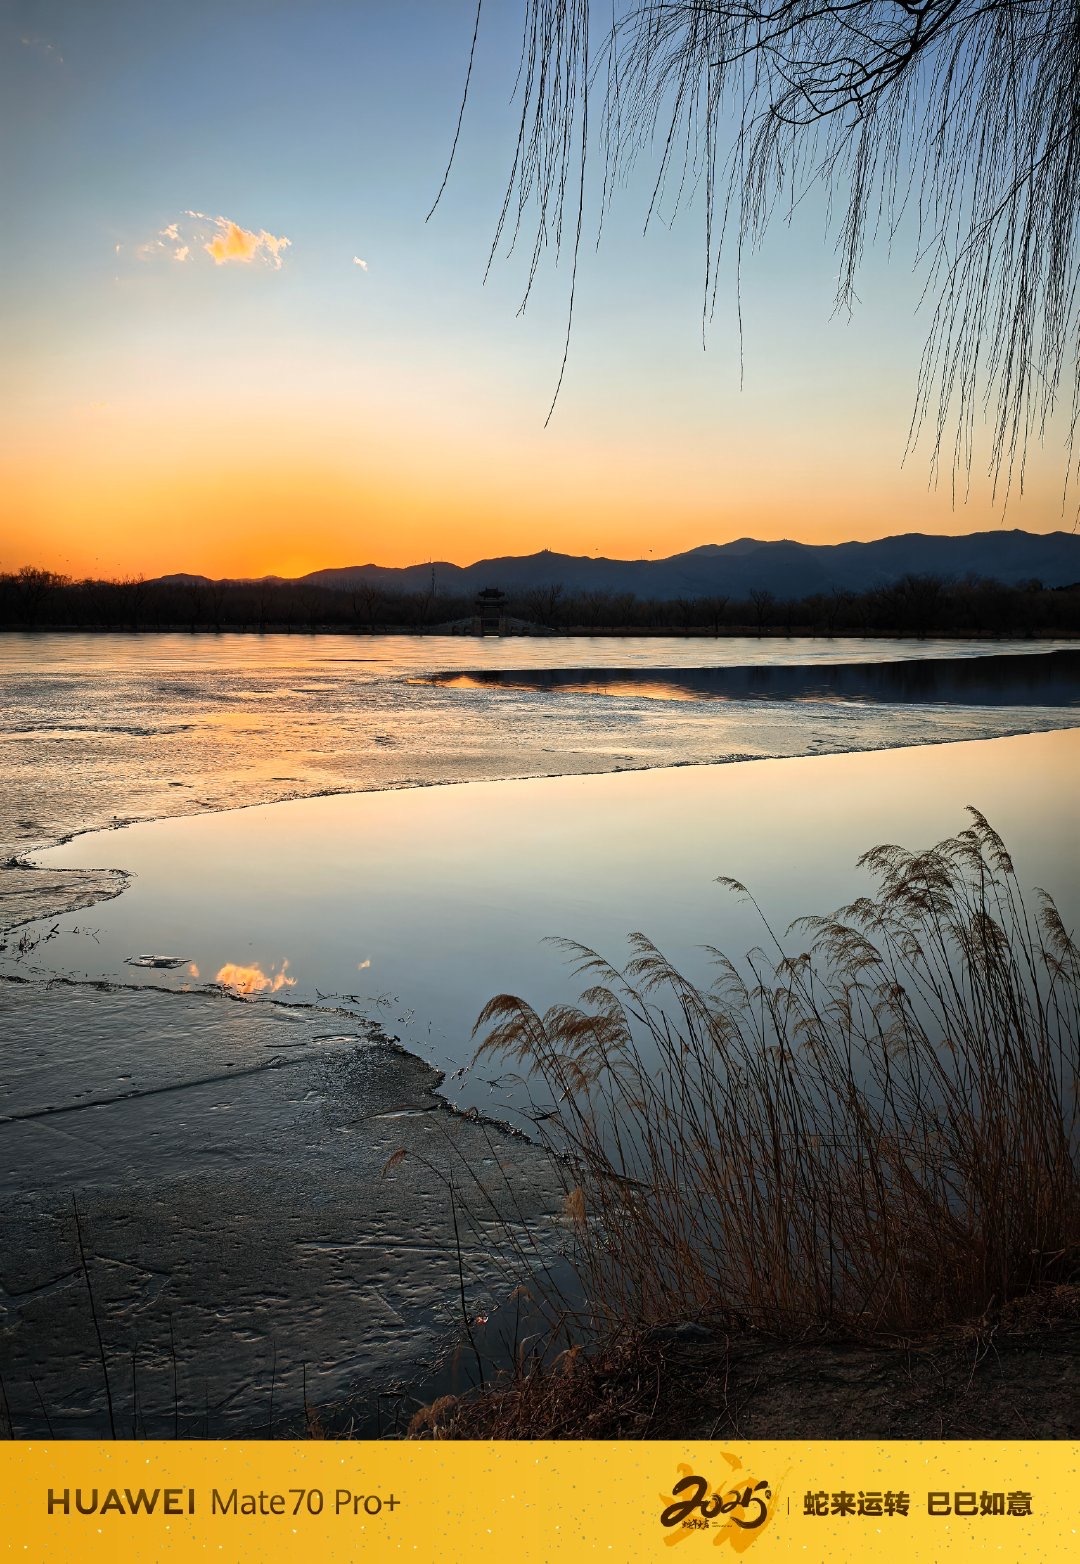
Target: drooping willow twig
[[961, 116]]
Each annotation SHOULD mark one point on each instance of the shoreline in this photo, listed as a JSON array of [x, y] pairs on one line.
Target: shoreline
[[17, 862], [745, 632], [1011, 1374]]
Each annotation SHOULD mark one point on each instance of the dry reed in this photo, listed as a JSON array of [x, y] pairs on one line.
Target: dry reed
[[875, 1135]]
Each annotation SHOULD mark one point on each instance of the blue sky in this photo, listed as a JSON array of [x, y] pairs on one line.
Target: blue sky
[[295, 409]]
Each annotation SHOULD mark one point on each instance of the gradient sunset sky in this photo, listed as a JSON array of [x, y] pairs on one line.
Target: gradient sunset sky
[[234, 345]]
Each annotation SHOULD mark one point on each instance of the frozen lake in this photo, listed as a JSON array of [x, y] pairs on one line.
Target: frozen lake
[[411, 908], [101, 729], [225, 1119]]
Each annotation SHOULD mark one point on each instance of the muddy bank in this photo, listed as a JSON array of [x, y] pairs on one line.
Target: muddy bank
[[263, 1193], [1015, 1375]]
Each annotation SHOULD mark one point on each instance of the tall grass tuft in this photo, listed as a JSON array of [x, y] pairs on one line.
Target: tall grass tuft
[[876, 1134]]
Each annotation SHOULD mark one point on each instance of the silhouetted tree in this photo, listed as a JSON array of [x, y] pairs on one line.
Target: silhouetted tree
[[963, 115], [364, 598], [132, 595], [915, 605], [33, 591], [543, 604], [764, 605]]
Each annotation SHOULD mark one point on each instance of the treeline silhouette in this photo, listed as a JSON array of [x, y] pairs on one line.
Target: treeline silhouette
[[917, 605]]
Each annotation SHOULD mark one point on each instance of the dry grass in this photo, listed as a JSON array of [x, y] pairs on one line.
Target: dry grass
[[874, 1135], [578, 1396], [1012, 1376]]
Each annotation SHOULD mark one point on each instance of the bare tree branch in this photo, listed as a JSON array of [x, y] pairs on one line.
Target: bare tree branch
[[959, 116]]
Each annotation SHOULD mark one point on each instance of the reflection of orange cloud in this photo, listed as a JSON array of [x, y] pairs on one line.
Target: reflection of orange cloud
[[233, 243], [651, 689], [193, 970], [253, 980]]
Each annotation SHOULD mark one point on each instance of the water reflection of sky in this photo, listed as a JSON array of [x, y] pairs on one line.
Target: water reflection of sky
[[41, 657], [420, 905], [1002, 679], [100, 728]]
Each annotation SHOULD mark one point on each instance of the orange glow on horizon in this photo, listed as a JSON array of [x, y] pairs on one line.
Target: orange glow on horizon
[[287, 523], [147, 486]]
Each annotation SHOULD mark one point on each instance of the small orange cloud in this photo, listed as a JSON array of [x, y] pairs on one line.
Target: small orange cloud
[[224, 241], [233, 243], [253, 980]]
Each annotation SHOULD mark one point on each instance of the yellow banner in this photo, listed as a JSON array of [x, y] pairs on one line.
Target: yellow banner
[[489, 1503]]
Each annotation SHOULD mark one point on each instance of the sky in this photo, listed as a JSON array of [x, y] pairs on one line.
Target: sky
[[235, 344]]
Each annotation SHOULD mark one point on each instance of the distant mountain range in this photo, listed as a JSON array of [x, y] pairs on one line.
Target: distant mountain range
[[734, 570]]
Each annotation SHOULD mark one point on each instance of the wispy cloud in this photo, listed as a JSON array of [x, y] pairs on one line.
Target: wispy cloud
[[358, 262], [195, 233], [43, 46]]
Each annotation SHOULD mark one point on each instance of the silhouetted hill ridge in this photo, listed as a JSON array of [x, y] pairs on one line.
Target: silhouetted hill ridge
[[785, 568]]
